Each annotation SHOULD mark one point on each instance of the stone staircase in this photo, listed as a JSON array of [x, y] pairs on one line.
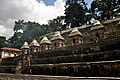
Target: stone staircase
[[21, 64]]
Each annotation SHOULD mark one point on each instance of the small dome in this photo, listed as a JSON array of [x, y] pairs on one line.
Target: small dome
[[25, 46], [34, 43], [75, 32], [57, 36], [45, 41]]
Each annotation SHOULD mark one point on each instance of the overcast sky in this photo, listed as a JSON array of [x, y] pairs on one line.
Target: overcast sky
[[28, 10]]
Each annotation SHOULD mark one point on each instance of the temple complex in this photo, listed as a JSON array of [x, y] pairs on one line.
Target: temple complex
[[80, 35], [88, 50]]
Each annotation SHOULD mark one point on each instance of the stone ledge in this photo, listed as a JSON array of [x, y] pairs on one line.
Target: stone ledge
[[4, 76]]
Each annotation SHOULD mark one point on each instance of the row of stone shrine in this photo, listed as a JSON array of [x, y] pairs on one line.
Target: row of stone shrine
[[75, 36], [57, 41]]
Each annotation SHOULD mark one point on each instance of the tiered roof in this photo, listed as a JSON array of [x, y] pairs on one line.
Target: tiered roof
[[34, 43], [45, 41], [97, 25], [75, 32], [57, 36], [112, 20], [25, 46]]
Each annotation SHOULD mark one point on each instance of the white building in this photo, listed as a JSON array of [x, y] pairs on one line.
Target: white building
[[9, 52]]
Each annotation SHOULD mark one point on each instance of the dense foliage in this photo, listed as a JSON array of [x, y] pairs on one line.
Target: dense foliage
[[105, 9], [26, 31], [75, 13], [2, 41], [56, 24]]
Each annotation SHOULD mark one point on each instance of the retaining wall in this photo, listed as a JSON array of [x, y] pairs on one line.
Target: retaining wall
[[4, 76]]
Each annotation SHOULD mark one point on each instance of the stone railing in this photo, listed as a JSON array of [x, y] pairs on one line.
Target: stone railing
[[46, 77]]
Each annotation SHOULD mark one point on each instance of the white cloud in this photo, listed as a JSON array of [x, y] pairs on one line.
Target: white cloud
[[29, 10], [2, 30]]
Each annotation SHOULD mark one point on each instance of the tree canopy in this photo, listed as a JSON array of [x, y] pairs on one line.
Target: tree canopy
[[75, 13], [2, 41], [26, 31], [57, 24], [105, 9]]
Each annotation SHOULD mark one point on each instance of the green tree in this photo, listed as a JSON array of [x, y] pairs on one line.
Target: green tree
[[75, 13], [57, 24], [26, 31], [2, 41], [105, 9], [19, 25]]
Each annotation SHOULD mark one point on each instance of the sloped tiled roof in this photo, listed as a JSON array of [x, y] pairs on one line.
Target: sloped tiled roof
[[57, 36], [96, 25], [112, 20], [97, 22], [34, 43], [45, 41], [25, 46], [10, 49], [75, 32]]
